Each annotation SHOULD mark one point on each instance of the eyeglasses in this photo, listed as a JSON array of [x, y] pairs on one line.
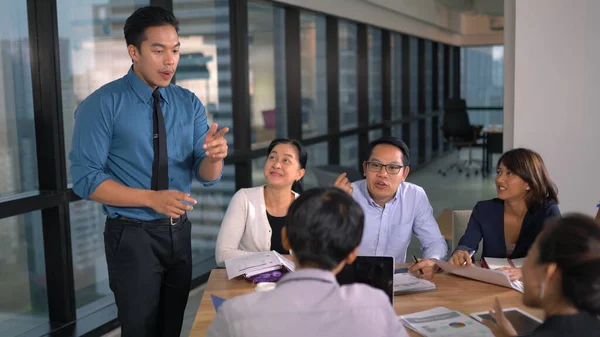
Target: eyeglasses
[[374, 166]]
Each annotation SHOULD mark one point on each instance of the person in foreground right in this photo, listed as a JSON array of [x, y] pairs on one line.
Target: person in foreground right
[[561, 276]]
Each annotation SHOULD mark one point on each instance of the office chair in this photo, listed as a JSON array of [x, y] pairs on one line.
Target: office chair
[[460, 220], [458, 132]]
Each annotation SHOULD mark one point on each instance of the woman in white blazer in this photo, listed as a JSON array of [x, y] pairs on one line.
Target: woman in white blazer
[[256, 215]]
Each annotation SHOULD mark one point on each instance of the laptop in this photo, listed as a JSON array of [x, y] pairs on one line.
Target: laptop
[[376, 271]]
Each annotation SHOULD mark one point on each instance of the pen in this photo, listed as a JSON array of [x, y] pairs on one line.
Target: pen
[[470, 256], [417, 261]]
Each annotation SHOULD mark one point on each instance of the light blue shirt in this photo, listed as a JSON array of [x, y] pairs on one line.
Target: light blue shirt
[[308, 302], [388, 230], [112, 139]]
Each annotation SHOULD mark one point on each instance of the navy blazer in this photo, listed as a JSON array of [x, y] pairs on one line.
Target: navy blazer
[[487, 223]]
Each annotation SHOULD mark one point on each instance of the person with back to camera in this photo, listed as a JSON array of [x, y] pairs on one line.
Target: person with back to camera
[[509, 224], [256, 215], [322, 231], [561, 276]]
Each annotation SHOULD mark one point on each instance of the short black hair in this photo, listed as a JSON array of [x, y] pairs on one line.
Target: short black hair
[[395, 141], [143, 18], [298, 186], [324, 225], [573, 243]]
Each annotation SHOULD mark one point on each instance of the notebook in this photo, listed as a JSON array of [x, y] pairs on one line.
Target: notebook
[[376, 271], [406, 283], [256, 264], [495, 263]]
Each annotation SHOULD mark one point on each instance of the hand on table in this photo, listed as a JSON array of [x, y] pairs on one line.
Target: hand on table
[[427, 267]]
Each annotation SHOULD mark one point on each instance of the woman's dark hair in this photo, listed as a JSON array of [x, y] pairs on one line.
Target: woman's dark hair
[[324, 225], [298, 185], [573, 243], [144, 18], [529, 166]]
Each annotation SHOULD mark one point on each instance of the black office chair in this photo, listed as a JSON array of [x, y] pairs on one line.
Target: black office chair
[[458, 132]]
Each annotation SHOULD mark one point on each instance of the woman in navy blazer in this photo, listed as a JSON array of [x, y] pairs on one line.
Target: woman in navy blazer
[[510, 223]]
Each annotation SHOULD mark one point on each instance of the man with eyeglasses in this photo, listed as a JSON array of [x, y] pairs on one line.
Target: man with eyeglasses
[[394, 209]]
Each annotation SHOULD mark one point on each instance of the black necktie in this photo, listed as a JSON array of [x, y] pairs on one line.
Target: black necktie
[[160, 166]]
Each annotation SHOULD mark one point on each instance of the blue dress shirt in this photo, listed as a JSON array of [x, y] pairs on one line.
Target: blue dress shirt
[[487, 223], [388, 230], [112, 139]]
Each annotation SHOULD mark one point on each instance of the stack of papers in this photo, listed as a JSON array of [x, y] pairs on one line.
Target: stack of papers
[[257, 263], [444, 322], [495, 263], [496, 277], [405, 283]]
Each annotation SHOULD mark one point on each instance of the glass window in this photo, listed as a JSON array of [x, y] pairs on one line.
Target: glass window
[[18, 161], [266, 50], [348, 75], [451, 72], [414, 144], [396, 64], [349, 151], [375, 78], [23, 294], [482, 82], [258, 175], [318, 154], [397, 132], [428, 138], [414, 76], [428, 76], [90, 272], [92, 51], [314, 74], [206, 219], [375, 134], [205, 63], [441, 82]]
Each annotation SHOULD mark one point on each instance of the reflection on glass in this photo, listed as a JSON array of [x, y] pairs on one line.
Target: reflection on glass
[[375, 64], [428, 76], [92, 51], [349, 151], [23, 294], [482, 76], [348, 75], [205, 63], [397, 132], [258, 175], [428, 138], [396, 77], [318, 154], [90, 272], [441, 82], [206, 219], [314, 74], [18, 163], [375, 134], [414, 77], [414, 144], [266, 50]]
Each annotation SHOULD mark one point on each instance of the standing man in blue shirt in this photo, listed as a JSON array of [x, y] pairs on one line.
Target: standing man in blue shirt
[[394, 209], [137, 144]]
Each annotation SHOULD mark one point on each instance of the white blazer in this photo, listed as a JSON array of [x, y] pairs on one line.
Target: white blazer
[[245, 228]]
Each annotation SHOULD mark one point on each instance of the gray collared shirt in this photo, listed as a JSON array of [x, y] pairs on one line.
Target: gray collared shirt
[[308, 302], [388, 230]]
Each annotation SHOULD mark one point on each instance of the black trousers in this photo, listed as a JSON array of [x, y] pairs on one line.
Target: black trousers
[[149, 272]]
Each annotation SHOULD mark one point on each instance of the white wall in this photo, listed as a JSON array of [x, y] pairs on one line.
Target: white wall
[[557, 94]]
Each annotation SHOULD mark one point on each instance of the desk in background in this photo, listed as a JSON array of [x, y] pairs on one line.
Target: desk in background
[[453, 292]]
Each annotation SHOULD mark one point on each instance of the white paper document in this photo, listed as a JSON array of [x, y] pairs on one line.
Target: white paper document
[[407, 283], [496, 277], [443, 322], [257, 263]]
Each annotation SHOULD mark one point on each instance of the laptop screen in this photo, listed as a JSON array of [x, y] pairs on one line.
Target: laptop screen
[[376, 271]]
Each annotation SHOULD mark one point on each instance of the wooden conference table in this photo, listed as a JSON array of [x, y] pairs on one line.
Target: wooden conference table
[[453, 292]]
